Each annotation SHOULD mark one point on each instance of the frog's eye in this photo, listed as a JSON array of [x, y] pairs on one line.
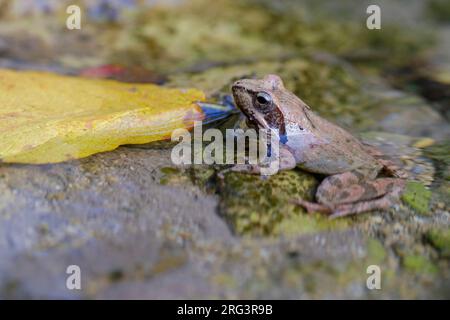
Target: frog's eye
[[263, 98]]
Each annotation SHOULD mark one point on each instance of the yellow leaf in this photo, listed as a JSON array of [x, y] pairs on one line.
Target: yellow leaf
[[47, 118], [423, 143]]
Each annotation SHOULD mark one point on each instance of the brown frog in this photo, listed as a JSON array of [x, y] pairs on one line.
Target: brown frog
[[316, 145]]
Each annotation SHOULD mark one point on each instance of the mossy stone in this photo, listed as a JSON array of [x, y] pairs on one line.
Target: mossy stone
[[262, 206], [417, 197], [440, 239], [418, 264], [376, 253]]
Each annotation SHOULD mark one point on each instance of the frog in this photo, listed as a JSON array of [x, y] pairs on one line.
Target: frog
[[357, 176]]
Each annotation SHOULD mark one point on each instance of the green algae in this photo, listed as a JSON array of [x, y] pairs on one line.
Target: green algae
[[257, 206], [224, 280], [439, 153], [376, 253], [173, 177], [440, 239], [308, 223], [254, 205], [202, 176], [418, 264], [439, 10], [417, 197], [316, 275]]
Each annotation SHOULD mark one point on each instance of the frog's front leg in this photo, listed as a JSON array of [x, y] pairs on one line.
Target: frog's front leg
[[350, 193], [285, 160]]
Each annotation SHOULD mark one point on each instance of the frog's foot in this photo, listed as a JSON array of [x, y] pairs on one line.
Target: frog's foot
[[312, 207], [362, 191], [286, 161], [382, 203], [244, 168], [349, 193], [221, 174], [386, 201]]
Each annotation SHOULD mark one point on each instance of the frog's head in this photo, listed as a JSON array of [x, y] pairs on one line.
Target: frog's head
[[266, 103]]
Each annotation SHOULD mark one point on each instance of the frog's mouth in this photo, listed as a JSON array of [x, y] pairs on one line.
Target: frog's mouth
[[244, 101]]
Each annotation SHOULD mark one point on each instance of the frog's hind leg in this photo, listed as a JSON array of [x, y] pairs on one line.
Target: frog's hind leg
[[312, 207], [349, 193], [393, 189], [361, 191], [327, 191], [331, 188]]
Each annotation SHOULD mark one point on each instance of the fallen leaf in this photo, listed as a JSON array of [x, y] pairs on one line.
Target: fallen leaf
[[48, 118], [423, 143]]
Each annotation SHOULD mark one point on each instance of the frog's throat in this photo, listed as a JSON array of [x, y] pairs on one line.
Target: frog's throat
[[256, 120], [260, 121]]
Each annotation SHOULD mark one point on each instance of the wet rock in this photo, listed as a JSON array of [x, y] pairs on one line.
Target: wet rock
[[440, 239], [417, 196], [412, 117], [402, 150], [258, 206], [52, 210]]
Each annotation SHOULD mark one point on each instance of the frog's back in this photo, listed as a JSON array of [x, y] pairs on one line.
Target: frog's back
[[330, 150]]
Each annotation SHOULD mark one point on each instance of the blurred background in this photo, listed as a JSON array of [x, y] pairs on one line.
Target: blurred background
[[171, 42], [113, 214]]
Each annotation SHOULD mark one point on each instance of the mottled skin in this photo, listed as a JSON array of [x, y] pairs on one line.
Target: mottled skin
[[319, 146]]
